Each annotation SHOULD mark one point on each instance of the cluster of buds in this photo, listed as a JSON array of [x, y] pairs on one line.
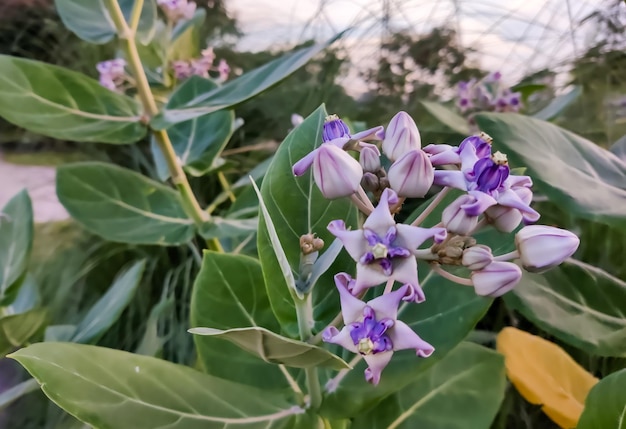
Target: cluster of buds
[[112, 74], [487, 94], [386, 252], [175, 10], [202, 66]]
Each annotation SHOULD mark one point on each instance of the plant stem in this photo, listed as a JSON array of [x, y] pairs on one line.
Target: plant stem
[[126, 35], [446, 275], [507, 256], [304, 311], [226, 186], [434, 203], [136, 15]]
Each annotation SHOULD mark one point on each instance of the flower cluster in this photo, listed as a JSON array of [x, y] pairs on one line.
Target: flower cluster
[[487, 94], [386, 252], [201, 66], [112, 73], [175, 10]]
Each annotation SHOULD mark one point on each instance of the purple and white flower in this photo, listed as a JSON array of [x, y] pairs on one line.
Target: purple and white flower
[[175, 10], [373, 330], [401, 136], [496, 279], [543, 247], [385, 250]]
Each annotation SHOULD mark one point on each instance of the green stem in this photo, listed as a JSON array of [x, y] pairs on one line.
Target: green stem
[[304, 311], [434, 203], [126, 35], [226, 186], [136, 15]]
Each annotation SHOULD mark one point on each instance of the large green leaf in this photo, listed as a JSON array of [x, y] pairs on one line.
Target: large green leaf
[[274, 348], [444, 320], [112, 389], [297, 207], [605, 407], [63, 104], [229, 293], [577, 303], [16, 240], [581, 177], [106, 311], [238, 90], [558, 104], [90, 20], [121, 205], [16, 329], [449, 118], [199, 141], [445, 396]]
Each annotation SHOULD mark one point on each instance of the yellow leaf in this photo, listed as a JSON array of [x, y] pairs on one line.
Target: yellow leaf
[[545, 375]]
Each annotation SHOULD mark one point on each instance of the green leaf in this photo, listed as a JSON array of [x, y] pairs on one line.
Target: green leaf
[[16, 240], [108, 309], [579, 176], [121, 205], [274, 348], [16, 329], [435, 398], [558, 104], [229, 293], [444, 320], [448, 117], [182, 26], [605, 407], [112, 389], [297, 207], [578, 303], [152, 343], [220, 227], [90, 20], [66, 105], [527, 89], [240, 89], [197, 142], [59, 333]]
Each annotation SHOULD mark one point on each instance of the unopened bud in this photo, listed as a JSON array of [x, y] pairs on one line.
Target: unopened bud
[[370, 182], [336, 173], [477, 257], [412, 174], [542, 247], [369, 158], [309, 243], [401, 136], [455, 219], [496, 279]]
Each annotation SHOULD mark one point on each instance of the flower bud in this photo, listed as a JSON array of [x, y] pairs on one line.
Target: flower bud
[[370, 158], [496, 279], [456, 220], [370, 182], [543, 247], [401, 136], [336, 173], [296, 119], [334, 128], [477, 257], [412, 175]]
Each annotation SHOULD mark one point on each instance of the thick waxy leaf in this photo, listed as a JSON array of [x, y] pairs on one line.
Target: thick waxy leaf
[[106, 311], [225, 228], [577, 303], [581, 177], [199, 141], [606, 404], [16, 329], [445, 396], [274, 348], [229, 293], [121, 205], [16, 239], [449, 118], [444, 320], [63, 104], [297, 207], [240, 89], [112, 389], [545, 375], [559, 104], [90, 20]]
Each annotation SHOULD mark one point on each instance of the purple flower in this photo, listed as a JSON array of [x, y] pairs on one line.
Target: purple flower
[[412, 174], [467, 153], [373, 330], [543, 247], [496, 279], [383, 249], [112, 73], [401, 136], [223, 69], [176, 10], [334, 128]]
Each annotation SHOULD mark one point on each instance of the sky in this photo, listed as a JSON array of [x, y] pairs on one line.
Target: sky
[[514, 36]]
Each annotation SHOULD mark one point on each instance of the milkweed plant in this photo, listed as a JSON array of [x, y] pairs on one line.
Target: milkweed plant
[[376, 255]]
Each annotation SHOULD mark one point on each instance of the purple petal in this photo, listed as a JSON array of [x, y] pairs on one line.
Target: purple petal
[[367, 258], [341, 338], [386, 265], [386, 306], [376, 363], [339, 142], [398, 252], [351, 307], [454, 179], [416, 294], [509, 198], [405, 271], [412, 237], [514, 181], [353, 241], [380, 220], [403, 338], [369, 135], [368, 276], [483, 202], [300, 167], [372, 238]]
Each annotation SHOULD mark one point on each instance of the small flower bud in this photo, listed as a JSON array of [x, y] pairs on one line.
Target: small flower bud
[[370, 158], [309, 244], [477, 257], [334, 128], [370, 182], [496, 279], [336, 173], [412, 174], [401, 136], [296, 119], [543, 247], [456, 220]]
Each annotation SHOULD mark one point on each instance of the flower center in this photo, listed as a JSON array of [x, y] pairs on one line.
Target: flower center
[[489, 173], [499, 158], [369, 335], [382, 251], [365, 346], [334, 128]]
